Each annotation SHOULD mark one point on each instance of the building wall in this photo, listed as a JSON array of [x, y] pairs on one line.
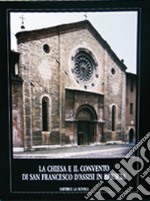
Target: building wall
[[17, 114], [16, 100], [72, 42], [113, 86], [115, 93], [48, 74], [40, 72]]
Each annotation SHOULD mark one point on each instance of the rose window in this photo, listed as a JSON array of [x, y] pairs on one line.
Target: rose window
[[83, 68]]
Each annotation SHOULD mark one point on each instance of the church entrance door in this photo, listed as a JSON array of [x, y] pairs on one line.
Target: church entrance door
[[85, 126], [83, 132]]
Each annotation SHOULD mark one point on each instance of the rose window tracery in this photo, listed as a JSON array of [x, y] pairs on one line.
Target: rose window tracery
[[83, 68]]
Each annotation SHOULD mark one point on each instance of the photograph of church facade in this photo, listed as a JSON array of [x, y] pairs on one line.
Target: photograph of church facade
[[69, 88]]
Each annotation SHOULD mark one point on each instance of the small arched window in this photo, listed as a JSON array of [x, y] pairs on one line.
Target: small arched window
[[113, 118], [45, 114]]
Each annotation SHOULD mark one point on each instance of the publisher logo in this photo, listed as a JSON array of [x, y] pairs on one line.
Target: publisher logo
[[118, 180]]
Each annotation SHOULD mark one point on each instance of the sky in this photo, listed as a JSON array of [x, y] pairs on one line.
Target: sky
[[119, 29]]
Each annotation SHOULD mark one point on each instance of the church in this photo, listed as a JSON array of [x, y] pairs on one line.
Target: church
[[68, 88]]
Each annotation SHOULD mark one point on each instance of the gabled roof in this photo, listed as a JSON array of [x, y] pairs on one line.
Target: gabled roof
[[26, 36]]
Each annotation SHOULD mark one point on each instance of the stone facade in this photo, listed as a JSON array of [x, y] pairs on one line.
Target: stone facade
[[16, 91], [74, 87]]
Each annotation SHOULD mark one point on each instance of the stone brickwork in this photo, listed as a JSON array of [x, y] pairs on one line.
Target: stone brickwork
[[17, 102], [51, 87], [40, 72], [17, 117], [115, 94]]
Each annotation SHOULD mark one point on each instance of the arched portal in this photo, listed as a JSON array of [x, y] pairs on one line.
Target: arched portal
[[86, 126], [131, 135]]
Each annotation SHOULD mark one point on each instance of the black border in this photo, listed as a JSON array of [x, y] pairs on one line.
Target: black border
[[63, 6]]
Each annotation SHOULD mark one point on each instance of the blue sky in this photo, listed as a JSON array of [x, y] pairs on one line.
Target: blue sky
[[119, 29]]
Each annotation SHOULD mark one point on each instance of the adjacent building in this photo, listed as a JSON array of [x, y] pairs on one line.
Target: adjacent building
[[131, 83]]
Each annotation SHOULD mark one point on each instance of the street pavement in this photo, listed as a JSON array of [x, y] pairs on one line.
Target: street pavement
[[77, 152]]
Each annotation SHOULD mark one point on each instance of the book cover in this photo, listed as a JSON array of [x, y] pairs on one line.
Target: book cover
[[74, 100]]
